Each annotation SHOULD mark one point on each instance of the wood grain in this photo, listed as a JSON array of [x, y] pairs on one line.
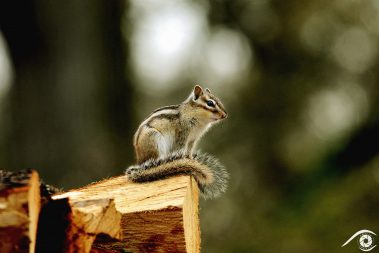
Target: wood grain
[[160, 216]]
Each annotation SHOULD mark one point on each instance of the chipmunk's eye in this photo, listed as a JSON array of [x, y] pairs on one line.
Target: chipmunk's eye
[[211, 103]]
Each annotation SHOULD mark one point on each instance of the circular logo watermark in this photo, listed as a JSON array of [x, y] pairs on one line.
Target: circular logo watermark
[[365, 239]]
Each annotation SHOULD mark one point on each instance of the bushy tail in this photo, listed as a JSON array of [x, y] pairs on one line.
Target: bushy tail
[[210, 175]]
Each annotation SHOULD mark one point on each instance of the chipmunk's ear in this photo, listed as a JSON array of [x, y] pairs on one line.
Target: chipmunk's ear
[[208, 90], [197, 91]]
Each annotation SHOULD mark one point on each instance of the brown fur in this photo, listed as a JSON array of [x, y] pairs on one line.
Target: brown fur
[[208, 172], [177, 127], [201, 172]]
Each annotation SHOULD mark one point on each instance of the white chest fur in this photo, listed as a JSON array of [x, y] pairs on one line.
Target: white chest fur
[[198, 132], [165, 143]]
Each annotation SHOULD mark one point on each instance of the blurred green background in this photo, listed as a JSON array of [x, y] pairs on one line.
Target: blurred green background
[[299, 80]]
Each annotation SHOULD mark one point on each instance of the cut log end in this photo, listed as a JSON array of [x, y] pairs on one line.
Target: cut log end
[[19, 210]]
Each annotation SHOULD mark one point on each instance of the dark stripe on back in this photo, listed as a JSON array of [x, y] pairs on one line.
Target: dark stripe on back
[[173, 107], [169, 116]]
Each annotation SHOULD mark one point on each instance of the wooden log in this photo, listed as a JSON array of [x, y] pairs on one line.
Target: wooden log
[[160, 216], [71, 226], [19, 210]]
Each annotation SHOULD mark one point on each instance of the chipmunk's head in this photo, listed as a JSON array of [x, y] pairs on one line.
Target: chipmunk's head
[[206, 106]]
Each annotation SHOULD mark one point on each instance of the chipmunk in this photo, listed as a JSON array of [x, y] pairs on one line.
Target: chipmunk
[[165, 141]]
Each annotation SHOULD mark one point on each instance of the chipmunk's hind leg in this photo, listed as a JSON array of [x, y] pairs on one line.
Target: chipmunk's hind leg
[[146, 146]]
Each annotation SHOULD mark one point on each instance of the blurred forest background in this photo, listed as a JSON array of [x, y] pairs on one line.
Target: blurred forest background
[[299, 80]]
